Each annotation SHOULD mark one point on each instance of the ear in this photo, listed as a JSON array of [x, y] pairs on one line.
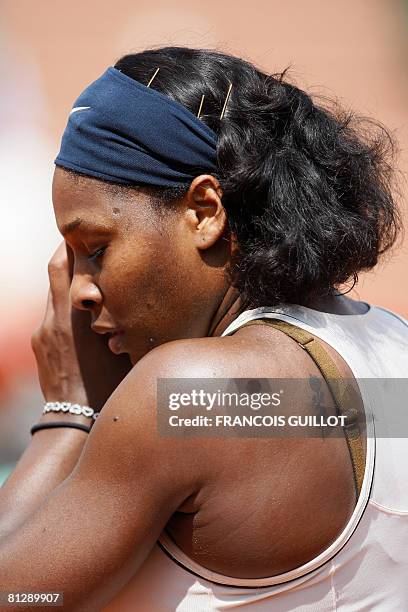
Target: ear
[[206, 215]]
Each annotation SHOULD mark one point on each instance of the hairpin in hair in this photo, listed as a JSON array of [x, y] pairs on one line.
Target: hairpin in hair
[[201, 106], [226, 100], [151, 80]]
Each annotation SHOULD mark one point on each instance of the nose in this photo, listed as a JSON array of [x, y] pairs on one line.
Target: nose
[[84, 294]]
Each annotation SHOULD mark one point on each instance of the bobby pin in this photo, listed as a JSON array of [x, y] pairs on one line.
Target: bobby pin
[[226, 100], [201, 106], [151, 80]]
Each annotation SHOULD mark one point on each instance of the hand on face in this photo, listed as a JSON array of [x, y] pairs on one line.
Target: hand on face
[[74, 363]]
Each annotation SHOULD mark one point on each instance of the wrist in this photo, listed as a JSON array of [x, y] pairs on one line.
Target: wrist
[[64, 418], [69, 413], [55, 417]]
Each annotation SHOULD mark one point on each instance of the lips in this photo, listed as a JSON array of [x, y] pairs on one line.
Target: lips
[[106, 330], [115, 341]]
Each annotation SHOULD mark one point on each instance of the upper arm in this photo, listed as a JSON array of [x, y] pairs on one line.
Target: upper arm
[[93, 532]]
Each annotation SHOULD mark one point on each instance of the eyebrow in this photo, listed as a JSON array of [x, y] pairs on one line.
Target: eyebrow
[[73, 225]]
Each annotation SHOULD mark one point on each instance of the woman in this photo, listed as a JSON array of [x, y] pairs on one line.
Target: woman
[[197, 195]]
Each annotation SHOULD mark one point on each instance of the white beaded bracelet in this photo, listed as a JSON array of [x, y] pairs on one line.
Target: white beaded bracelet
[[72, 408]]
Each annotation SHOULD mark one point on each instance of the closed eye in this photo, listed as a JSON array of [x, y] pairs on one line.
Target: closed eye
[[98, 253]]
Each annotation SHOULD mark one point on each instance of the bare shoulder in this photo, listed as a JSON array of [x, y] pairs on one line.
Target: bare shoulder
[[255, 351], [128, 422]]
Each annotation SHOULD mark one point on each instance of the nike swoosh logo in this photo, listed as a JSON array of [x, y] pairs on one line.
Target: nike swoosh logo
[[79, 108]]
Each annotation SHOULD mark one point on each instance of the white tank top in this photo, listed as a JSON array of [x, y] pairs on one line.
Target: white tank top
[[366, 568]]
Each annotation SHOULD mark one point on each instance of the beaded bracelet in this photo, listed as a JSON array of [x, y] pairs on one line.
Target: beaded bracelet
[[71, 408], [66, 407]]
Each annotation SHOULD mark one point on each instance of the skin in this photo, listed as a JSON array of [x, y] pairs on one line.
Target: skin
[[163, 281]]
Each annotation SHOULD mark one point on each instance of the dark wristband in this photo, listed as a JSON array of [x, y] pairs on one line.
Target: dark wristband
[[53, 424]]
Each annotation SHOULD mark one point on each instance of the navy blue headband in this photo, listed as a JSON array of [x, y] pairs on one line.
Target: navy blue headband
[[123, 131]]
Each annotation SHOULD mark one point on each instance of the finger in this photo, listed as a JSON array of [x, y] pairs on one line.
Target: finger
[[59, 276], [70, 256], [49, 309], [60, 253]]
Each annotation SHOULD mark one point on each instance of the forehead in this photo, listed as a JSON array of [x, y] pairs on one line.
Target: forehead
[[76, 197]]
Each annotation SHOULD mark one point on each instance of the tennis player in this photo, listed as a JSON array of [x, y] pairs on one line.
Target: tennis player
[[211, 216]]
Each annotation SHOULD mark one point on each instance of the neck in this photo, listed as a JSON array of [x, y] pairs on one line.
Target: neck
[[228, 310], [337, 304]]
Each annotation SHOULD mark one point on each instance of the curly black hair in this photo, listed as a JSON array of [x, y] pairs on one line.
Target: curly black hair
[[307, 187]]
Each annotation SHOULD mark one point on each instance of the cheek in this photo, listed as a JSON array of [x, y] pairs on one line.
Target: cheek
[[144, 280]]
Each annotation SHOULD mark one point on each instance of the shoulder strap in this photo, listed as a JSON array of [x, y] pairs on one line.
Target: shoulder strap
[[340, 393]]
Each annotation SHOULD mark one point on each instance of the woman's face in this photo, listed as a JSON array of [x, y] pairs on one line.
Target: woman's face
[[137, 270]]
